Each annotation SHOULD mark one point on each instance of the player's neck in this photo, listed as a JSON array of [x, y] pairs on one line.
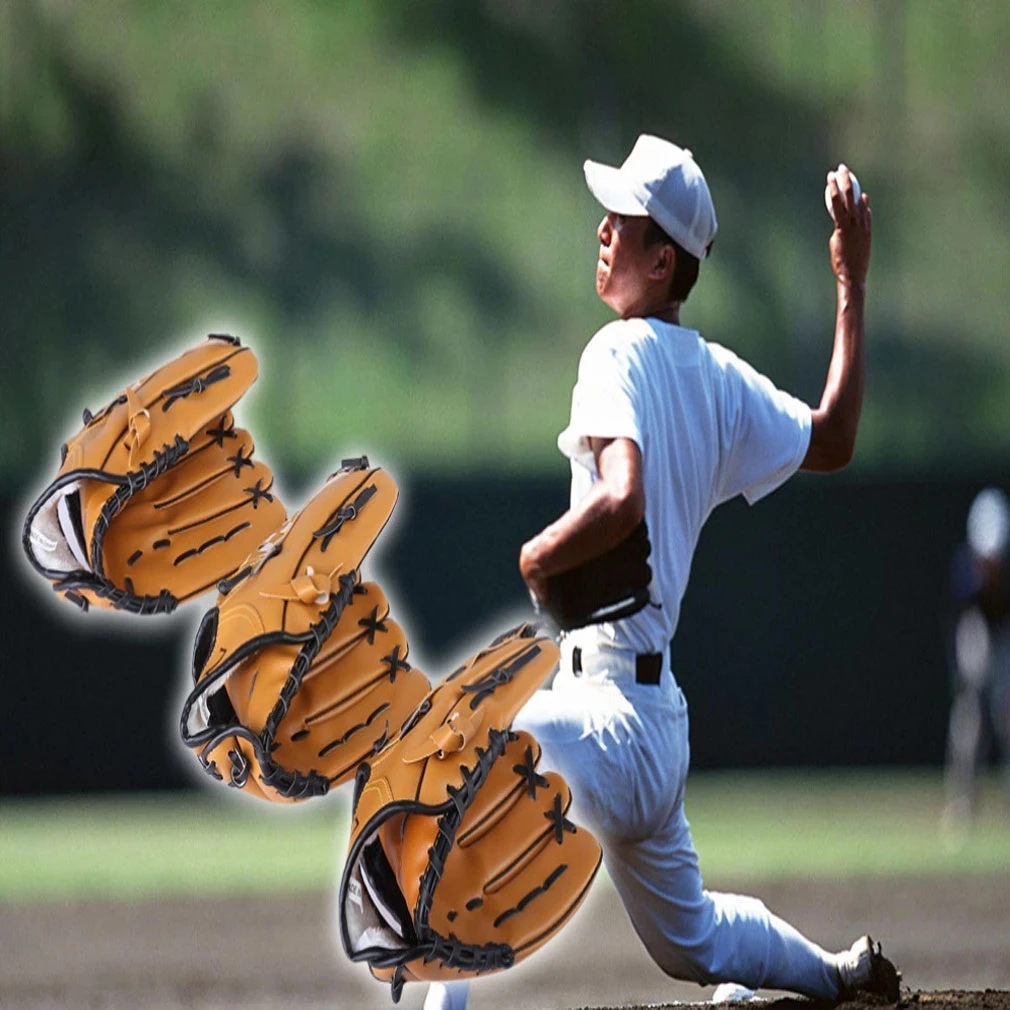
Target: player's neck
[[667, 312]]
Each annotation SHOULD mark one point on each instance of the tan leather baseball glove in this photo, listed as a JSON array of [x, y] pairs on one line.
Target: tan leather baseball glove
[[462, 859], [157, 497], [299, 672]]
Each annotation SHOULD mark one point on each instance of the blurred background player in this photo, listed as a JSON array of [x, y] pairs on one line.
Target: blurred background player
[[979, 655]]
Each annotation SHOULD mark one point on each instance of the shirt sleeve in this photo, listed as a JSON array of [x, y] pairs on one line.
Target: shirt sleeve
[[765, 436], [603, 400]]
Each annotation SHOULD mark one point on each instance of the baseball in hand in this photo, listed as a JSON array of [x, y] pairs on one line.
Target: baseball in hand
[[856, 191]]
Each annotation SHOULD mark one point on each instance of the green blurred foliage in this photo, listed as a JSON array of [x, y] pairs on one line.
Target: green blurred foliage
[[385, 199]]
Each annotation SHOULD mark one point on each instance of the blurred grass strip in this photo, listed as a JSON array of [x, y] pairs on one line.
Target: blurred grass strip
[[158, 845], [747, 827], [840, 824]]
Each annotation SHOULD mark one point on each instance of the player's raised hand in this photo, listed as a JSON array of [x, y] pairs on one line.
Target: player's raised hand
[[852, 238]]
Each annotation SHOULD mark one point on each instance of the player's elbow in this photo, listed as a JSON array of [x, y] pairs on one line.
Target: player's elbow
[[831, 458], [832, 444], [827, 459]]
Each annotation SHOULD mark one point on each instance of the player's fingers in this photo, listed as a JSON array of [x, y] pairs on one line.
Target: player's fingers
[[858, 212], [837, 200], [846, 187]]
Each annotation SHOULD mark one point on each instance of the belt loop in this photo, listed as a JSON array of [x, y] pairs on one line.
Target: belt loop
[[577, 660], [648, 667]]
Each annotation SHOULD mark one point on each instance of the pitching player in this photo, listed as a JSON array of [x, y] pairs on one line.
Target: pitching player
[[667, 426]]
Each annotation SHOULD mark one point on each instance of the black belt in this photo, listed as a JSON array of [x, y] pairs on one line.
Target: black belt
[[648, 666]]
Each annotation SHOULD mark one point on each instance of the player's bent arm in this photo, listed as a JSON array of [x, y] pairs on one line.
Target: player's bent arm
[[605, 517], [836, 421]]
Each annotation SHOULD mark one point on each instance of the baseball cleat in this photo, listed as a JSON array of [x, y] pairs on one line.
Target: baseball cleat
[[864, 969]]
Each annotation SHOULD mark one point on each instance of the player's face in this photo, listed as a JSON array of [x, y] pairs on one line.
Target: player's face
[[622, 269]]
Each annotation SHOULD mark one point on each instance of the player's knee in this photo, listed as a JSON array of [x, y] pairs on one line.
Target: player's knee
[[687, 964], [689, 957], [710, 953], [700, 941]]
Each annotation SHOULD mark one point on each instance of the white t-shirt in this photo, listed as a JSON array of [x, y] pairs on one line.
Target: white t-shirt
[[709, 427]]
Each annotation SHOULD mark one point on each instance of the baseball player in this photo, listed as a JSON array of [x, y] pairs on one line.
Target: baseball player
[[664, 427], [979, 654]]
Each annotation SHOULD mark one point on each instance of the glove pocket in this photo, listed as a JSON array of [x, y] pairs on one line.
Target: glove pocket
[[335, 737], [347, 705], [364, 644], [512, 776], [516, 880], [365, 617], [190, 559]]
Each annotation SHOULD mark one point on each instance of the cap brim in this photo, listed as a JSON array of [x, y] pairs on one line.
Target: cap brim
[[612, 189]]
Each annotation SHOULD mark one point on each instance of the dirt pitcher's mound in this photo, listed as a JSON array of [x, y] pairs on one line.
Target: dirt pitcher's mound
[[948, 999], [957, 999]]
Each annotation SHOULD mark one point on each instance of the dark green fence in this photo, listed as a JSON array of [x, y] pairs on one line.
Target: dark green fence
[[812, 632]]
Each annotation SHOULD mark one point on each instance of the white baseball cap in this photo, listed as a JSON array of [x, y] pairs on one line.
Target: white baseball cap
[[989, 523], [663, 181]]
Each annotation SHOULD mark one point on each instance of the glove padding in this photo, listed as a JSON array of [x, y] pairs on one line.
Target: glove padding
[[157, 497], [461, 859], [299, 673], [607, 588]]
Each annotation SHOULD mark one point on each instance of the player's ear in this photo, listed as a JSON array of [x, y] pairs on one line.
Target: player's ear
[[663, 262]]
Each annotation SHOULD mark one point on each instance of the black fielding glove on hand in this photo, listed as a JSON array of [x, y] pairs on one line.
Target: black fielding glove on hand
[[607, 588]]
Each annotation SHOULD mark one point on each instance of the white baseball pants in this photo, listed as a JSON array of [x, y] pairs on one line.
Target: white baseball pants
[[623, 748]]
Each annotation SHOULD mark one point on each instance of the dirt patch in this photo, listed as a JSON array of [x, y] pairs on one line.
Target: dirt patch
[[941, 999], [947, 935]]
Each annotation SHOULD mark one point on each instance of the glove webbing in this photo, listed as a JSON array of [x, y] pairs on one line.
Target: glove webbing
[[129, 484]]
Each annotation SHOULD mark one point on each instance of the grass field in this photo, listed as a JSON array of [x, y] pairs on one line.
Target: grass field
[[754, 826]]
